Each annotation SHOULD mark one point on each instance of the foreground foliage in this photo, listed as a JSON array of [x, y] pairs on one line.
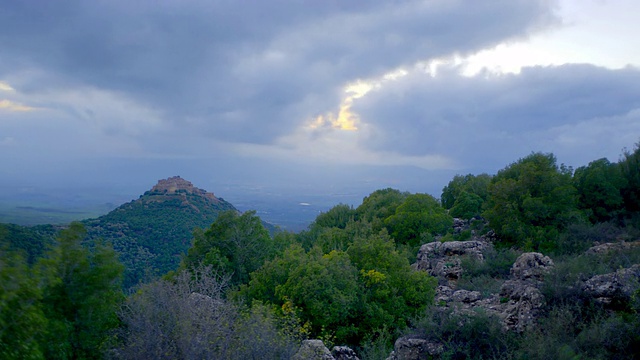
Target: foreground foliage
[[189, 318], [63, 307]]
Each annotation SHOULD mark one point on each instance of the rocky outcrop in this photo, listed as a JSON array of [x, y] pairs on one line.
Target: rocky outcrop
[[614, 287], [343, 353], [608, 247], [520, 304], [519, 300], [313, 350], [316, 350], [406, 348], [531, 266], [443, 259]]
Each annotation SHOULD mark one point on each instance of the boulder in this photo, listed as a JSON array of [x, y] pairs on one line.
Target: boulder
[[607, 247], [531, 266], [619, 285], [442, 259], [343, 353], [406, 348], [520, 304], [466, 296], [313, 350]]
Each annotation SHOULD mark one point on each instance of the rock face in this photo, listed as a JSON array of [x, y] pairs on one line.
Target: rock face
[[343, 353], [531, 266], [442, 259], [614, 287], [406, 348], [519, 300], [607, 247], [176, 184], [313, 350]]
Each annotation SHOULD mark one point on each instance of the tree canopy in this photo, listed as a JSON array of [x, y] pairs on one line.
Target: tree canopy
[[531, 201]]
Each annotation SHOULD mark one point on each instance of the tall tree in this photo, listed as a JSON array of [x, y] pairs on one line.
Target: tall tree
[[531, 201], [21, 317], [630, 166], [471, 184], [379, 205], [417, 218], [599, 187], [392, 292], [81, 293], [237, 243]]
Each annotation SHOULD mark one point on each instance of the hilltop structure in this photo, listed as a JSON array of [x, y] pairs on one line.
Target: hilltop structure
[[176, 184]]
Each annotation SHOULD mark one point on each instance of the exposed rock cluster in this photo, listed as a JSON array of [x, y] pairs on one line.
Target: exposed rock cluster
[[316, 350], [406, 348], [519, 301], [614, 287], [443, 259]]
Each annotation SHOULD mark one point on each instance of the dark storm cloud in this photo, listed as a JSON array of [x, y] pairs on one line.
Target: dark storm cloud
[[486, 121], [246, 71]]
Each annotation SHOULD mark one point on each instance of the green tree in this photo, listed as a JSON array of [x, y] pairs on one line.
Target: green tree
[[467, 205], [392, 292], [531, 201], [21, 317], [336, 217], [379, 205], [630, 167], [417, 218], [599, 187], [237, 243], [471, 184], [81, 293], [323, 286], [345, 296], [333, 238]]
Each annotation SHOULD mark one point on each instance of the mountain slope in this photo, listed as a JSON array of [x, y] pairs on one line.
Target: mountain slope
[[152, 232]]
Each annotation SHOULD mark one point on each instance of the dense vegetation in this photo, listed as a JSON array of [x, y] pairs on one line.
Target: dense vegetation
[[241, 292]]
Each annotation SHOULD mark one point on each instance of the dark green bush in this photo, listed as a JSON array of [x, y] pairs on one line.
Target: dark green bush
[[467, 336]]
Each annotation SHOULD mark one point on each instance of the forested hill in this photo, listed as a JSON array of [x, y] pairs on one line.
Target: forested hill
[[152, 232]]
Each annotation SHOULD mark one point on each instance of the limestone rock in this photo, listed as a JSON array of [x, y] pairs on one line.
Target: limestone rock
[[406, 348], [519, 301], [619, 285], [523, 303], [443, 294], [313, 350], [607, 247], [531, 266], [442, 259], [465, 296], [343, 353]]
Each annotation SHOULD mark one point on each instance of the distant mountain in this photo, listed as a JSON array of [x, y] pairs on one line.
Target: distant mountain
[[152, 232]]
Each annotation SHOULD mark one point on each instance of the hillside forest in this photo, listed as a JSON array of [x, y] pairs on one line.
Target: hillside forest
[[239, 290]]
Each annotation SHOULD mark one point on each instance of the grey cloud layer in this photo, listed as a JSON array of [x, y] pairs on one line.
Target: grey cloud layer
[[246, 71], [579, 111]]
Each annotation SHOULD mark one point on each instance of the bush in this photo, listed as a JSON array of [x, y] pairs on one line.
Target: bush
[[580, 237], [467, 336], [189, 318]]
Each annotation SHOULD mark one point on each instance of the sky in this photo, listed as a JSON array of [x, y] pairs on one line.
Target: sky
[[327, 96]]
